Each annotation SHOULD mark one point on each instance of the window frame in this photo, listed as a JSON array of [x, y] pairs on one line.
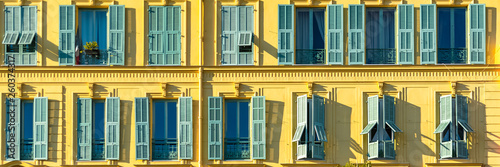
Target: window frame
[[452, 34], [78, 34], [224, 120], [153, 123], [19, 34], [23, 129], [94, 123], [311, 11], [395, 38]]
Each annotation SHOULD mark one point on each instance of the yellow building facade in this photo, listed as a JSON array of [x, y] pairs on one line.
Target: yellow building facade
[[203, 67]]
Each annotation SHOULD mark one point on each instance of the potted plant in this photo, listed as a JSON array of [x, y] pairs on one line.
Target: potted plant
[[91, 49]]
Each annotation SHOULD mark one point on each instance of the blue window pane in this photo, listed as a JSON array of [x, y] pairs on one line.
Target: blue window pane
[[231, 119], [244, 120], [92, 27], [446, 134], [319, 29], [460, 32], [452, 35], [27, 119], [99, 119], [172, 119], [380, 36], [159, 118], [310, 36]]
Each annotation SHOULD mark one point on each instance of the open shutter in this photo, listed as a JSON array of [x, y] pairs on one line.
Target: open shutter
[[428, 53], [116, 35], [142, 128], [335, 34], [405, 34], [389, 152], [318, 118], [462, 120], [374, 148], [286, 46], [185, 127], [477, 34], [40, 128], [67, 35], [12, 25], [228, 36], [258, 127], [301, 127], [29, 25], [390, 113], [445, 110], [84, 129], [156, 35], [13, 129], [356, 45], [112, 129], [215, 128], [173, 35]]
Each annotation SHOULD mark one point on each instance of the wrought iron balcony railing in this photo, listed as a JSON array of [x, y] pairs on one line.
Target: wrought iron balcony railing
[[165, 149], [310, 56], [26, 149], [237, 148], [381, 56], [98, 149], [452, 55], [93, 59]]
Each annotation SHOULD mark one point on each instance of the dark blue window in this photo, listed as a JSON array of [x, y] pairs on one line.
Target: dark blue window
[[237, 141], [310, 36], [380, 36], [92, 27], [26, 130], [164, 129], [98, 131], [452, 38]]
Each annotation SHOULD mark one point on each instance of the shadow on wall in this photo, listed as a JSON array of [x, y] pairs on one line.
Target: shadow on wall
[[345, 146], [274, 116], [126, 133], [477, 119], [130, 37], [491, 35]]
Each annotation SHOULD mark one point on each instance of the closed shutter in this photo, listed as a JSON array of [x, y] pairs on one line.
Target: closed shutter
[[286, 46], [173, 35], [13, 129], [157, 35], [215, 128], [116, 35], [356, 26], [462, 120], [112, 129], [84, 129], [405, 34], [258, 127], [477, 34], [12, 25], [66, 35], [40, 129], [335, 34], [445, 110], [185, 127], [245, 33], [390, 113], [301, 127], [318, 131], [228, 36], [142, 128], [428, 53]]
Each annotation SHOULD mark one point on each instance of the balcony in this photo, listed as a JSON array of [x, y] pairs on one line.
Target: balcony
[[236, 148], [26, 149], [165, 149], [381, 56], [98, 149], [452, 56], [100, 57], [310, 56]]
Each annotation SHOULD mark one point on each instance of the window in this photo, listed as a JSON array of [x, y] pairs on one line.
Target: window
[[98, 129], [27, 129], [453, 127], [310, 133], [380, 36], [20, 34], [310, 36], [381, 127], [451, 31], [93, 27], [237, 34], [239, 115], [165, 130], [164, 35]]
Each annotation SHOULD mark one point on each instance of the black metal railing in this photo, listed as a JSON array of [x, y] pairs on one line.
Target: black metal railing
[[165, 149], [236, 148], [310, 56], [98, 149], [99, 57], [452, 55], [26, 149], [381, 56]]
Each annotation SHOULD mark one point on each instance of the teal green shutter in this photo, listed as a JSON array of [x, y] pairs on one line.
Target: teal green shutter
[[40, 129], [373, 118], [29, 22], [142, 128], [445, 110], [462, 120], [286, 45], [67, 35], [13, 129], [356, 26], [84, 129], [12, 25], [335, 34], [317, 131], [185, 127], [258, 127], [389, 151], [215, 128], [116, 35], [228, 36], [156, 35], [244, 33], [302, 126], [428, 52], [112, 128], [477, 34], [405, 34], [390, 113], [374, 148], [173, 35]]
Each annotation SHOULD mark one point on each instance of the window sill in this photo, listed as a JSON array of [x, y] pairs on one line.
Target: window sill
[[309, 164], [454, 164]]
